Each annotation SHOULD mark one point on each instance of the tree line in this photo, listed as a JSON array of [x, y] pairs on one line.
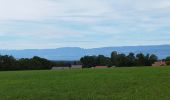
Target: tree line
[[116, 59], [35, 63], [9, 63], [119, 60]]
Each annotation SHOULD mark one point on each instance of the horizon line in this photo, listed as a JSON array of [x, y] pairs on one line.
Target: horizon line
[[89, 48]]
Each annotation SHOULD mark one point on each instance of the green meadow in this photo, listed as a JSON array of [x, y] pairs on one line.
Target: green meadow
[[144, 83]]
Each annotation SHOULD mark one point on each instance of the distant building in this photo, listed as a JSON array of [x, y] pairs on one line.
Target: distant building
[[100, 67], [64, 67], [76, 66], [159, 63], [60, 68]]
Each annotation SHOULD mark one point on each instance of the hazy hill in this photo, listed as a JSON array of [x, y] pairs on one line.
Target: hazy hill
[[74, 53]]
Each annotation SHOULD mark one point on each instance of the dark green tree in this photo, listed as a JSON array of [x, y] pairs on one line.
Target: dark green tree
[[153, 58], [114, 58], [103, 61], [140, 58], [7, 63], [89, 61], [121, 60], [131, 60], [167, 58]]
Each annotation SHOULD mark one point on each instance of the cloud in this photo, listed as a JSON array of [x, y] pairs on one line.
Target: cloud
[[60, 23]]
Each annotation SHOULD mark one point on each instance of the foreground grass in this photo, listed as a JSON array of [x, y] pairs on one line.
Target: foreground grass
[[87, 84]]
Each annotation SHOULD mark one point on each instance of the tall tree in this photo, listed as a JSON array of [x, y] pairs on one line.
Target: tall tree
[[121, 60], [167, 58], [89, 61], [153, 58], [114, 58], [140, 59], [131, 59]]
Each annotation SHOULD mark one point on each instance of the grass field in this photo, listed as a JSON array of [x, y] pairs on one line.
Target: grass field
[[87, 84]]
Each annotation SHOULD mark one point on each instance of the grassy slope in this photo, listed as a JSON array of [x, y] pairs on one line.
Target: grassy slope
[[119, 84]]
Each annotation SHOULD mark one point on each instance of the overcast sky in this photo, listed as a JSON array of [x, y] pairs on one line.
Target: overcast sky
[[28, 24]]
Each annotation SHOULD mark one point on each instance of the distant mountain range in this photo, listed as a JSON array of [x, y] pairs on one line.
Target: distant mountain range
[[75, 53]]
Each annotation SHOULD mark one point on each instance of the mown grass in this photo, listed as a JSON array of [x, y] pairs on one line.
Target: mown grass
[[143, 83]]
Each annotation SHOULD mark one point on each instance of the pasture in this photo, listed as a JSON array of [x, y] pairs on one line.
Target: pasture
[[144, 83]]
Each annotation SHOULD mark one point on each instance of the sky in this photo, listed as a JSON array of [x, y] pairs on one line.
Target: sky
[[42, 24]]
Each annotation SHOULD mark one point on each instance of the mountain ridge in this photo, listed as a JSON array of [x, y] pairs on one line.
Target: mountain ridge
[[75, 53]]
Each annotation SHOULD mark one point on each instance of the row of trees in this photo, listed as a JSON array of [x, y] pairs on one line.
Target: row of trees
[[35, 63], [8, 63], [119, 60], [91, 61], [116, 59]]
